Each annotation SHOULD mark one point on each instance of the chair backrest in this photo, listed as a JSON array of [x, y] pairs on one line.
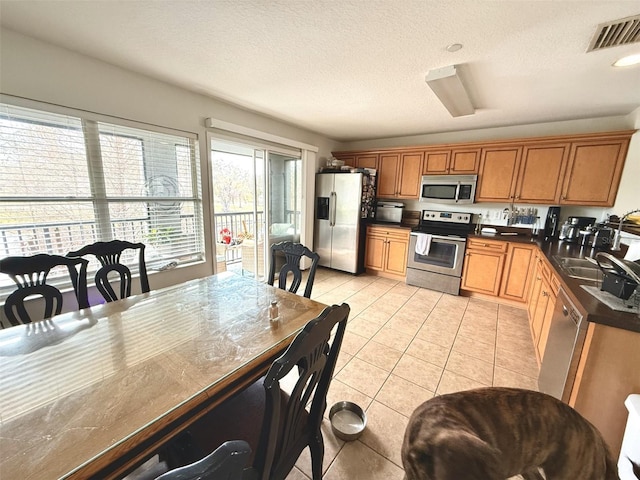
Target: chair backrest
[[225, 463], [30, 275], [109, 253], [293, 253], [287, 428]]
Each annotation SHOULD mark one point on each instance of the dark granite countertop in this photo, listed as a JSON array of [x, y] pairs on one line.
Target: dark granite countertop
[[594, 310]]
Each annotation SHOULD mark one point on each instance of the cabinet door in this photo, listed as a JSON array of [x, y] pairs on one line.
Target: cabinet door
[[516, 275], [409, 176], [536, 287], [374, 253], [498, 172], [465, 162], [348, 159], [367, 161], [541, 306], [594, 171], [546, 324], [436, 163], [397, 256], [482, 272], [388, 175], [541, 173]]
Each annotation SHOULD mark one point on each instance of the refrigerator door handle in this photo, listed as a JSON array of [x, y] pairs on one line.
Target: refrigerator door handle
[[332, 209]]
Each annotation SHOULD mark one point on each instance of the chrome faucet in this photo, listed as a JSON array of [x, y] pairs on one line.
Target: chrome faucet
[[618, 236]]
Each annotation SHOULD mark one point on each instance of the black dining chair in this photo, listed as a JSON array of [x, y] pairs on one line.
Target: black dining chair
[[293, 253], [276, 425], [30, 274], [109, 254], [225, 463]]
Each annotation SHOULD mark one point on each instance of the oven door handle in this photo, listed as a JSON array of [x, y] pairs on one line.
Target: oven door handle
[[443, 237]]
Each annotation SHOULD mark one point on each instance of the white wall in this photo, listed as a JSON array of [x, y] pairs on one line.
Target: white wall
[[38, 71]]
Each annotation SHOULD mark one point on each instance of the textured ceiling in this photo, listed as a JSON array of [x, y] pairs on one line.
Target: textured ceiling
[[354, 69]]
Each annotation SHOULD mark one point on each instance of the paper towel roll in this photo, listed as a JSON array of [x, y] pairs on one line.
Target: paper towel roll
[[633, 253]]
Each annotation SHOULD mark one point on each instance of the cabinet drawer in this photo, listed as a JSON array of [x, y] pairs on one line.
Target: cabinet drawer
[[391, 233], [486, 245]]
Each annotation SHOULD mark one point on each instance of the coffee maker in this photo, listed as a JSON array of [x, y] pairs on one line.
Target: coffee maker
[[552, 223]]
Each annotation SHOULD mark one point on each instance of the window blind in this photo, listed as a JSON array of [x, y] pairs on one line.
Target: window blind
[[69, 181]]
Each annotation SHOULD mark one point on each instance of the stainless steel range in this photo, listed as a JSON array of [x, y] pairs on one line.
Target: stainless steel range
[[436, 250]]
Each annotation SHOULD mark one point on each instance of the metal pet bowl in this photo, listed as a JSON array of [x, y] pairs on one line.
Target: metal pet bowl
[[347, 420]]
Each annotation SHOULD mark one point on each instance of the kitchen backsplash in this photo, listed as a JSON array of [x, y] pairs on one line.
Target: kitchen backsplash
[[498, 213]]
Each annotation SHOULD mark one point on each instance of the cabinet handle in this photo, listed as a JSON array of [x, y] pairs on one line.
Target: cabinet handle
[[545, 294]]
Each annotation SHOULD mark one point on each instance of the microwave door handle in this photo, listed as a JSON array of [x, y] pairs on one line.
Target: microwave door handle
[[458, 192]]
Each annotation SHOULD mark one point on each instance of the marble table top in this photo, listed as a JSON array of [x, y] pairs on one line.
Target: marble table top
[[82, 389]]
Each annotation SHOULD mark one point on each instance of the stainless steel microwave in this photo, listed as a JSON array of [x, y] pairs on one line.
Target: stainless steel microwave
[[452, 189]]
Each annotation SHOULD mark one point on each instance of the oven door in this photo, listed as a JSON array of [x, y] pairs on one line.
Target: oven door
[[445, 255]]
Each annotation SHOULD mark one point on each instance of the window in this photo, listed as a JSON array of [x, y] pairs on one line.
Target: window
[[68, 181]]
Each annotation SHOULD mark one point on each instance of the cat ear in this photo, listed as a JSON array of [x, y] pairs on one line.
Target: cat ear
[[462, 455]]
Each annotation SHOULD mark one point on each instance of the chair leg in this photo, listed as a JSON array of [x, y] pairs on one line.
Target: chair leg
[[317, 454]]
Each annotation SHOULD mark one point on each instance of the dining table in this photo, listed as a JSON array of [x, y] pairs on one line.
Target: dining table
[[93, 393]]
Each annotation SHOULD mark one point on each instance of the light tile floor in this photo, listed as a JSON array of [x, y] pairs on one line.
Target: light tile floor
[[402, 346]]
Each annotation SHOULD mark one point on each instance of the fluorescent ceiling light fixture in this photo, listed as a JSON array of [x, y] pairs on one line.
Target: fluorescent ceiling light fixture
[[628, 61], [448, 87]]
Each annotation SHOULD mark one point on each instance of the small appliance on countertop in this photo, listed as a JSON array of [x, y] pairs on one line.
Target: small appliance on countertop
[[552, 224], [570, 230], [389, 212]]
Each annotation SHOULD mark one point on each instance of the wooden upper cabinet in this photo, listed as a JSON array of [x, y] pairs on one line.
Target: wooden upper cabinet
[[594, 172], [582, 169], [348, 159], [359, 161], [498, 174], [388, 175], [451, 161], [409, 175], [399, 175], [367, 161], [541, 173], [465, 161], [436, 162]]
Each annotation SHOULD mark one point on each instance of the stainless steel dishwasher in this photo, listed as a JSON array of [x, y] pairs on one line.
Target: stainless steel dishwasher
[[563, 349]]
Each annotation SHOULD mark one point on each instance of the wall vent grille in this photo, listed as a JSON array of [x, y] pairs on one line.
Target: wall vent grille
[[617, 32]]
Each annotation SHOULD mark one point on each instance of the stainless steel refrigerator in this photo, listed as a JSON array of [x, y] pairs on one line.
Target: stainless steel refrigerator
[[344, 201]]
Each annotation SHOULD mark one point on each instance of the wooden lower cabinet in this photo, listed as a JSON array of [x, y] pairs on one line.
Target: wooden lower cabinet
[[483, 265], [542, 301], [499, 268], [607, 374], [517, 271], [386, 251]]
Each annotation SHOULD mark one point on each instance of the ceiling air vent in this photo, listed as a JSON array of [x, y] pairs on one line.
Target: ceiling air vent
[[617, 32]]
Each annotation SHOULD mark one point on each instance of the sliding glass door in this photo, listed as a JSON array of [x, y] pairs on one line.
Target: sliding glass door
[[245, 179]]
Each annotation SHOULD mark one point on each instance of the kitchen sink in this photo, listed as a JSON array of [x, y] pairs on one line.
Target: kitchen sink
[[579, 268], [584, 273]]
